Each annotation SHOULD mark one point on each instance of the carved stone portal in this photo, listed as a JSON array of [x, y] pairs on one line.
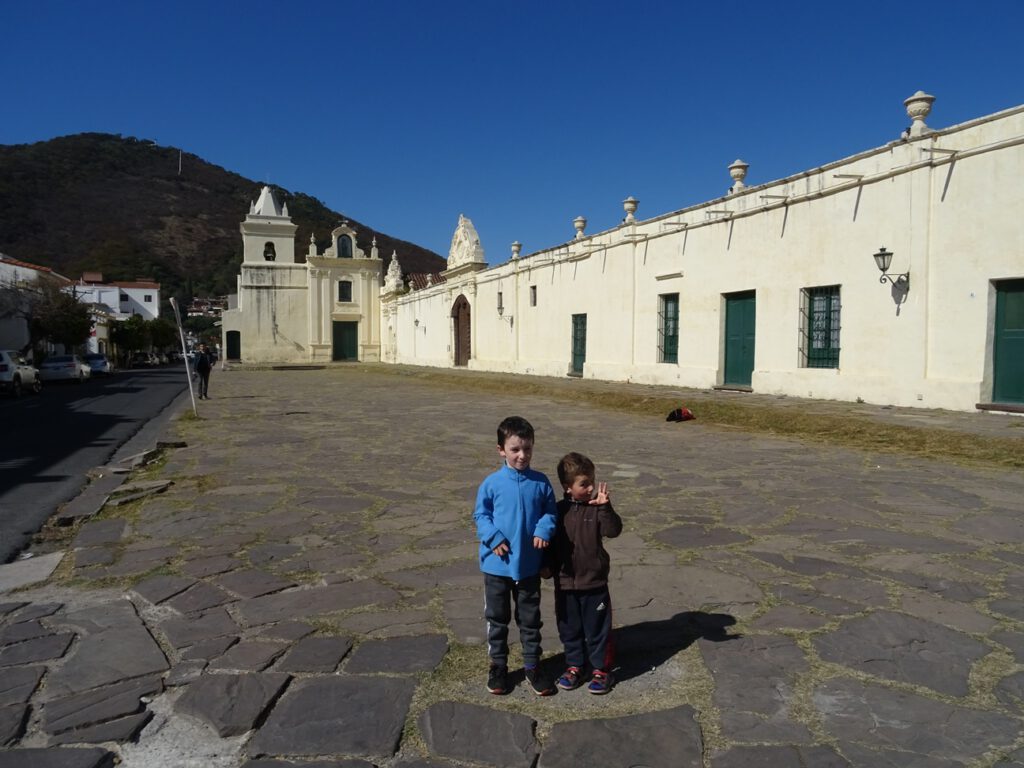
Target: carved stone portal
[[466, 247]]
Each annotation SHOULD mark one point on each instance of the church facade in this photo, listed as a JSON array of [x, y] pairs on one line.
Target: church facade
[[895, 276], [324, 309]]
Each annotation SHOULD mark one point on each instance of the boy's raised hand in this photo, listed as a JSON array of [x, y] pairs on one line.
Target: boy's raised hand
[[602, 496]]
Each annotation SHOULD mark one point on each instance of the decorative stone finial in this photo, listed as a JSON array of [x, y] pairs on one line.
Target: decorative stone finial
[[580, 222], [738, 171], [629, 205], [466, 247], [918, 107], [312, 239], [516, 248], [393, 278]]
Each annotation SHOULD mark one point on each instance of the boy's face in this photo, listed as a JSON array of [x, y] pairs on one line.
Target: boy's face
[[582, 488], [517, 452]]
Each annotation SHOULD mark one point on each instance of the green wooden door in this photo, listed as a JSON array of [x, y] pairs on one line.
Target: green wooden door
[[1008, 346], [740, 316], [579, 343], [345, 341]]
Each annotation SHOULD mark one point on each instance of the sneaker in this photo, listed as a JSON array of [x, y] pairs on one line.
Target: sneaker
[[539, 681], [570, 679], [600, 683], [497, 679]]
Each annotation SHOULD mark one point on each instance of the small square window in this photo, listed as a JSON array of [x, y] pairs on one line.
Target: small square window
[[533, 295], [148, 298], [124, 297]]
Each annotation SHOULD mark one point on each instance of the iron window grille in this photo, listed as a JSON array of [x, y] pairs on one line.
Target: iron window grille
[[819, 327], [668, 328], [345, 290]]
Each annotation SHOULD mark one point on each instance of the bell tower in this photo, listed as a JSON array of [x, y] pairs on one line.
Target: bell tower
[[268, 235]]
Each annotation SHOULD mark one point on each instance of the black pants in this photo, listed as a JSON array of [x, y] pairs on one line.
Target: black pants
[[585, 627], [499, 593], [204, 382]]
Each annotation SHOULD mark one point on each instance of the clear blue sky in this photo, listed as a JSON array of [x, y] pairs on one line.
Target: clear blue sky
[[521, 115]]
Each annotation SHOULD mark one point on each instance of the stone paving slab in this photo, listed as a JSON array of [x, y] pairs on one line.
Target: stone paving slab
[[91, 500], [398, 655], [57, 758], [302, 603], [883, 717], [317, 655], [480, 735], [231, 704], [98, 705], [905, 649], [336, 715], [12, 723], [51, 646], [122, 729], [21, 573], [669, 737]]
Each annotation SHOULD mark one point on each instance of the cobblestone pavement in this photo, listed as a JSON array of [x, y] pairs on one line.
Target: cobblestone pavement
[[305, 592]]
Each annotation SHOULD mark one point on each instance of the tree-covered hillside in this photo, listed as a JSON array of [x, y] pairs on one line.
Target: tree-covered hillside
[[117, 205]]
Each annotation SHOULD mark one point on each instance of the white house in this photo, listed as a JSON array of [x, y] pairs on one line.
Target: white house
[[895, 276], [125, 298], [15, 276]]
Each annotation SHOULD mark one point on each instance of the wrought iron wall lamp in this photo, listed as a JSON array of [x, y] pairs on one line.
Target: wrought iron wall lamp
[[882, 260]]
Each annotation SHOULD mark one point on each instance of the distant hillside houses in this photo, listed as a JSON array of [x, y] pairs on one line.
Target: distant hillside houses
[[207, 307], [894, 276]]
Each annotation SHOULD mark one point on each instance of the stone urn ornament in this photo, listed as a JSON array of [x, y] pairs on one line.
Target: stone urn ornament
[[629, 205], [918, 107], [580, 222], [738, 172]]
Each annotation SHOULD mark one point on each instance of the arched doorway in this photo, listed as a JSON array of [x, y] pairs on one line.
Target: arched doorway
[[460, 314]]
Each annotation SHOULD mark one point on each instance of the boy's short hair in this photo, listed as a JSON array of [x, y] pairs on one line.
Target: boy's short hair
[[515, 426], [574, 465]]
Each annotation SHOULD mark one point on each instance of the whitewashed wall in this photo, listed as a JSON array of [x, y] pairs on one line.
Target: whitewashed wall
[[954, 221]]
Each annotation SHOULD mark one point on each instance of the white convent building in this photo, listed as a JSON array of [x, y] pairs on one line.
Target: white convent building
[[895, 276]]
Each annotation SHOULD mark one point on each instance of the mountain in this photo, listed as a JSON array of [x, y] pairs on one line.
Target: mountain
[[105, 203]]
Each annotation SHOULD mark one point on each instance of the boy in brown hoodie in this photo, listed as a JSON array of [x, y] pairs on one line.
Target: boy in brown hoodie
[[580, 565]]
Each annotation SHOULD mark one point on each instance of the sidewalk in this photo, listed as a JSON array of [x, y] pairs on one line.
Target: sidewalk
[[306, 593]]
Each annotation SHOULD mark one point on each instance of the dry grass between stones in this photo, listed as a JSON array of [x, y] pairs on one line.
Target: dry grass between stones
[[851, 432]]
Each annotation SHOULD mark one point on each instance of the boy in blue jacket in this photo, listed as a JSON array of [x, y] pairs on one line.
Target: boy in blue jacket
[[515, 521]]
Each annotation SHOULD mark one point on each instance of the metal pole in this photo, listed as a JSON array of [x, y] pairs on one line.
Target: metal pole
[[184, 354]]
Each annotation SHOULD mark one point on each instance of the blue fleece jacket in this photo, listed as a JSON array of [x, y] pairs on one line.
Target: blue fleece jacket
[[514, 506]]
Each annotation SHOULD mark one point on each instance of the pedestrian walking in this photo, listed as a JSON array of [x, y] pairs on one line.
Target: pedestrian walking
[[204, 364]]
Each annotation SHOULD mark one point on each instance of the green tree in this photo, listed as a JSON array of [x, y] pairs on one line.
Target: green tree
[[57, 316], [131, 334], [163, 333]]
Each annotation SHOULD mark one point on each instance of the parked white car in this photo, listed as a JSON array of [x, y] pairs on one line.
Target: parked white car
[[98, 363], [16, 375], [65, 368]]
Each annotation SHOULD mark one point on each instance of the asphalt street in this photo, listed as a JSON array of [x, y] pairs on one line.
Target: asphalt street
[[51, 440]]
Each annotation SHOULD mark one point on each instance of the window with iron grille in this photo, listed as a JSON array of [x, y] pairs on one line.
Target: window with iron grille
[[819, 327], [344, 290], [668, 328]]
